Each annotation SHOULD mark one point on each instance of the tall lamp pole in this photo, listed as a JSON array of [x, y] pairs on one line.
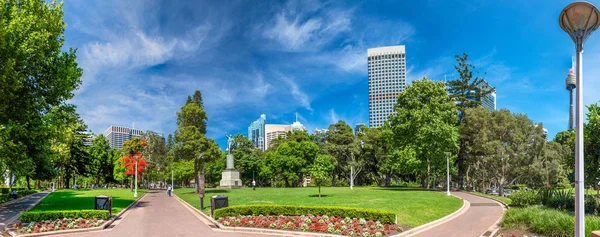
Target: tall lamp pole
[[135, 193], [172, 187], [579, 20], [447, 173]]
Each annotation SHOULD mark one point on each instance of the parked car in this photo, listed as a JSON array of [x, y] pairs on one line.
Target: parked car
[[491, 192], [508, 192]]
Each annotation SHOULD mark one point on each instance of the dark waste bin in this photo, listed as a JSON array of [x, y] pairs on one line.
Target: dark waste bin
[[103, 202], [217, 202]]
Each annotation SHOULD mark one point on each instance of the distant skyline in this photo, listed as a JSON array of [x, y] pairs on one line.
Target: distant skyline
[[142, 58]]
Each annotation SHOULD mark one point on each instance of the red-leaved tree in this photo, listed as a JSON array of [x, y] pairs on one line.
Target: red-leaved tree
[[132, 151]]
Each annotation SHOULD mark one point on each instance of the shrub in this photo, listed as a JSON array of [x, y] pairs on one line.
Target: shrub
[[545, 195], [290, 210], [562, 199], [545, 221], [36, 216], [524, 198], [592, 204]]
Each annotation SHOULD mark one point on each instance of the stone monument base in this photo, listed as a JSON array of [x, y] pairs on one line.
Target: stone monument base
[[230, 179]]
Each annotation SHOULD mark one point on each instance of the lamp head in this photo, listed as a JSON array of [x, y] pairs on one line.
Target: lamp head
[[579, 20]]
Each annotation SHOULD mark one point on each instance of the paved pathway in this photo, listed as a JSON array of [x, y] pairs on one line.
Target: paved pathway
[[482, 214], [158, 215], [10, 211]]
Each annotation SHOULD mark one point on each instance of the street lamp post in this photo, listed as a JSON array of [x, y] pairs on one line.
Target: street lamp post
[[172, 186], [447, 173], [579, 20], [135, 193]]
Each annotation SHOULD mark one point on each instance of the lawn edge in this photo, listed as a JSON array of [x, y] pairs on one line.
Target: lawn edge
[[102, 227], [207, 220], [465, 207]]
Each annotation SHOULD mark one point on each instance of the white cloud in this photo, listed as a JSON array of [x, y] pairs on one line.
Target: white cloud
[[297, 93], [333, 117], [302, 31]]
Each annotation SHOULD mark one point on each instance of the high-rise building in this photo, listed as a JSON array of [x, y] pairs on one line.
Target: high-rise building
[[116, 135], [256, 132], [273, 131], [261, 134], [88, 138], [358, 128], [571, 84], [387, 79], [489, 100]]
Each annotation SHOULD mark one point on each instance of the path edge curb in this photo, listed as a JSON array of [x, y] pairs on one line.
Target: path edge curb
[[102, 227], [465, 207], [506, 206], [495, 227], [210, 222], [11, 220]]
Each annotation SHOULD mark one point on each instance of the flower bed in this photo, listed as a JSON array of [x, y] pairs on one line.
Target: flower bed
[[324, 224], [58, 224]]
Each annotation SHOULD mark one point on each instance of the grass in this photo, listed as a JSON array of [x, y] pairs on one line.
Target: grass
[[546, 221], [414, 207], [497, 198], [587, 191], [84, 199]]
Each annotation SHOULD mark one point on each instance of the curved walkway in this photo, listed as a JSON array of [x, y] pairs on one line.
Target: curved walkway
[[159, 215], [482, 215]]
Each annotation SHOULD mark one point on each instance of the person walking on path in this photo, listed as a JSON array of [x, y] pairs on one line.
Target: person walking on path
[[169, 190]]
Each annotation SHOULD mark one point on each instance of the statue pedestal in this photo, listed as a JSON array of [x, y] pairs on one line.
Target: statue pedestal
[[230, 179]]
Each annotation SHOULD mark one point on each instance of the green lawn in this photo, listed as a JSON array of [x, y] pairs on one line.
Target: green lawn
[[414, 207], [503, 199], [84, 199]]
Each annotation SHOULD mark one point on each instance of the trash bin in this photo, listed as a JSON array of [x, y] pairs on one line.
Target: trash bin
[[103, 202], [217, 202]]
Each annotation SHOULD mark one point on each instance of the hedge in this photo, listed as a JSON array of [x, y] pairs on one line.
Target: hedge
[[36, 216], [267, 209]]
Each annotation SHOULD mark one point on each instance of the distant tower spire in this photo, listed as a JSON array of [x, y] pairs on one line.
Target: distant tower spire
[[571, 84]]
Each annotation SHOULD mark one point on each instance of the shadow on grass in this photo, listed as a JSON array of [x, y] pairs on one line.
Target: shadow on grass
[[403, 189], [317, 195]]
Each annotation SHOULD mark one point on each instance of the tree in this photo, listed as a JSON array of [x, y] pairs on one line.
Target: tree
[[247, 159], [133, 156], [156, 155], [467, 93], [321, 169], [591, 149], [35, 76], [102, 162], [425, 122], [340, 143], [190, 139], [290, 161]]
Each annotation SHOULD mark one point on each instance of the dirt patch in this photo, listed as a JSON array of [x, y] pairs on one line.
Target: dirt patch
[[516, 233]]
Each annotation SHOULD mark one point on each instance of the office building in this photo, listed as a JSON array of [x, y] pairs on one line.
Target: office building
[[488, 101], [321, 131], [116, 135], [261, 134], [387, 79], [256, 132], [358, 128], [273, 131], [88, 138]]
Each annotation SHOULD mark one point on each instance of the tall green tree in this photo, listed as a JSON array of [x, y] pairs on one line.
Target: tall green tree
[[190, 139], [591, 148], [466, 92], [425, 121], [102, 160], [290, 161], [320, 170], [35, 76], [341, 145], [156, 156]]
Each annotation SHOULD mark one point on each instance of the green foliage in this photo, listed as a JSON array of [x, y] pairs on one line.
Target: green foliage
[[547, 222], [269, 209], [291, 160], [425, 123], [102, 165], [36, 216], [342, 146], [525, 198], [562, 199], [591, 141], [320, 170]]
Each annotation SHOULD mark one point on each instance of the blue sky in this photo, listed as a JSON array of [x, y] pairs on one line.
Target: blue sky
[[141, 59]]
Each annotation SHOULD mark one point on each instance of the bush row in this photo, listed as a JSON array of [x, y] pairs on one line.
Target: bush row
[[7, 190], [266, 209], [36, 216], [546, 221], [558, 199]]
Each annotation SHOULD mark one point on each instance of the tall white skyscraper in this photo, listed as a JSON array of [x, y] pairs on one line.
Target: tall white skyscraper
[[387, 78], [116, 135]]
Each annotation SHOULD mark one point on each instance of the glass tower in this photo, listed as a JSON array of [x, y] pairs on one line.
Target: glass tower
[[256, 132], [387, 78]]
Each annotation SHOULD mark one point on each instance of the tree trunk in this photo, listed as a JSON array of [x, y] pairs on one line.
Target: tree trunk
[[196, 178], [428, 174], [460, 163], [319, 190], [388, 179], [10, 180], [28, 182], [333, 178]]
